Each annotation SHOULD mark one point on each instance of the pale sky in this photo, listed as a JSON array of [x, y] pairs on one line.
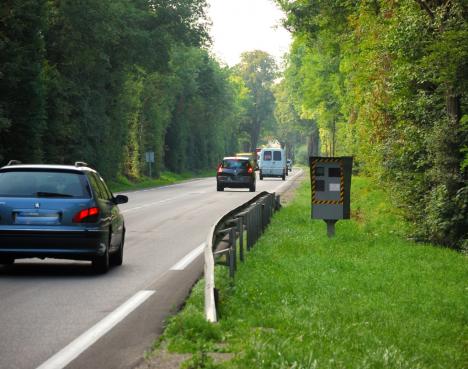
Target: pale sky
[[247, 25]]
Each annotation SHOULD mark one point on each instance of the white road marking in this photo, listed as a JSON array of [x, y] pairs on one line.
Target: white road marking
[[187, 259], [163, 187], [162, 201], [70, 352], [152, 204]]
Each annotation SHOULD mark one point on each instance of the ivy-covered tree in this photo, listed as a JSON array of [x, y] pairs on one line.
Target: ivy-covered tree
[[395, 76], [106, 81], [22, 88]]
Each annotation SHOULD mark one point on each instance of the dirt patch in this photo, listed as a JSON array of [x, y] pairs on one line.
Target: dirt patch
[[357, 215], [288, 195], [163, 359]]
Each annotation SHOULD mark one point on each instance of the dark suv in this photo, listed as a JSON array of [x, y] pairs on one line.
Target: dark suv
[[236, 172], [59, 211]]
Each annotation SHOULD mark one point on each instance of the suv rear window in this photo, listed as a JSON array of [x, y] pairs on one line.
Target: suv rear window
[[43, 183], [277, 155], [235, 163], [267, 155]]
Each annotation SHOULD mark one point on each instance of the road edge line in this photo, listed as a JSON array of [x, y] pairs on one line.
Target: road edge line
[[187, 259], [70, 352]]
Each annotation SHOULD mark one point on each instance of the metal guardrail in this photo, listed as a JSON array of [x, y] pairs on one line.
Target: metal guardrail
[[227, 239]]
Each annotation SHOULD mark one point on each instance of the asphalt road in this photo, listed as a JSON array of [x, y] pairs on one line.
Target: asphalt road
[[56, 314]]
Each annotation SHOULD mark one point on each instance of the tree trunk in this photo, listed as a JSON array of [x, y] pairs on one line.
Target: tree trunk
[[313, 141]]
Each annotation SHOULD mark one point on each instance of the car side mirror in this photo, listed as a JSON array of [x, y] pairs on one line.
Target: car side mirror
[[120, 199]]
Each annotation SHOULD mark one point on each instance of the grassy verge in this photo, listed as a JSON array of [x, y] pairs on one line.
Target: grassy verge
[[124, 184], [366, 299]]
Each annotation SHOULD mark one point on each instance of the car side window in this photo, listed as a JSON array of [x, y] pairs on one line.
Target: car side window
[[98, 188], [105, 194], [94, 185], [108, 193]]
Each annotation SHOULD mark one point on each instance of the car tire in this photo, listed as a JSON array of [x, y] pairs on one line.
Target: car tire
[[261, 176], [117, 257], [7, 261], [252, 188], [219, 188], [283, 177], [101, 263]]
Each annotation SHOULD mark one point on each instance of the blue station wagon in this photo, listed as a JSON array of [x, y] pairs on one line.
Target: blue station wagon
[[59, 211]]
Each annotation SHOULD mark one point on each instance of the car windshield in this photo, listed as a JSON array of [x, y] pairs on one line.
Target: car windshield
[[35, 183], [235, 163]]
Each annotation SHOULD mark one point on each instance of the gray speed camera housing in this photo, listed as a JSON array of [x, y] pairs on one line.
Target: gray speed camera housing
[[330, 179]]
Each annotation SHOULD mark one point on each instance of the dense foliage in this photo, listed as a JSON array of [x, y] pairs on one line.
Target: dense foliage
[[105, 81], [258, 71], [386, 81]]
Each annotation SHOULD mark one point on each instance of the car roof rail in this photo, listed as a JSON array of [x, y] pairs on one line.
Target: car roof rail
[[81, 164], [14, 162]]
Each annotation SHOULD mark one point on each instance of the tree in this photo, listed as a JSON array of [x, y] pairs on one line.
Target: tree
[[393, 76], [22, 92], [258, 71]]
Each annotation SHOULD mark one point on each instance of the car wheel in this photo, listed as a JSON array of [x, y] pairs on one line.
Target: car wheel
[[261, 176], [117, 257], [101, 263], [252, 188], [7, 261], [219, 188], [283, 177]]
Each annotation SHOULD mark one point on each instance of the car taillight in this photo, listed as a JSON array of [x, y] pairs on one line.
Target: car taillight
[[220, 169], [90, 215], [250, 170]]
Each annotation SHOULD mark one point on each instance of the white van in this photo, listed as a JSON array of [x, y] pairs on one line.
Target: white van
[[272, 163]]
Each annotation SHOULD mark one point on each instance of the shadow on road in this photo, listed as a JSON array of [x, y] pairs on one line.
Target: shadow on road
[[48, 269]]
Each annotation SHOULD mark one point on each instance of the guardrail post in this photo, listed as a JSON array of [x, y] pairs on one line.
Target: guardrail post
[[240, 229], [270, 209], [257, 223], [277, 202], [232, 253], [253, 219], [271, 200], [267, 210], [263, 217], [253, 222], [250, 232]]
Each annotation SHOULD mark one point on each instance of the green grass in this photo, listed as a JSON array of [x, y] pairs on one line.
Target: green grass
[[124, 184], [367, 298]]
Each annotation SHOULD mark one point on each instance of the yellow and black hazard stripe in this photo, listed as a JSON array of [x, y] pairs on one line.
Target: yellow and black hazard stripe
[[312, 185], [328, 160], [325, 161], [342, 182], [327, 202], [312, 182]]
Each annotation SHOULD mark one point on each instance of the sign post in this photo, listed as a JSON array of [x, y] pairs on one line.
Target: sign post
[[149, 156], [330, 179]]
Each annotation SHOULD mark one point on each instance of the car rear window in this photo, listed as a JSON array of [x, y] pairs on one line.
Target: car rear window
[[276, 155], [235, 163], [34, 183], [267, 155]]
